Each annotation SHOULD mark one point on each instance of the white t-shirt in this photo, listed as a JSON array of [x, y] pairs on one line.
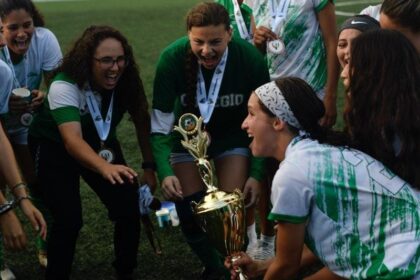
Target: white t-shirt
[[305, 55], [44, 54], [6, 85], [372, 11], [362, 220]]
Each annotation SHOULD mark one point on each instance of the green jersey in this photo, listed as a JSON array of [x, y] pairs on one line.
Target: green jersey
[[245, 71], [66, 102]]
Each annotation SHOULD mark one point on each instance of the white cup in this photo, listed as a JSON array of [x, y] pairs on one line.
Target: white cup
[[23, 93]]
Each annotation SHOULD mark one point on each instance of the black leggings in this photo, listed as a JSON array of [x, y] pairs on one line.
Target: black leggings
[[59, 175]]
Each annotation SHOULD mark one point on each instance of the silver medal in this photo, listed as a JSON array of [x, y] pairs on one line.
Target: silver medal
[[107, 154], [276, 46], [26, 119]]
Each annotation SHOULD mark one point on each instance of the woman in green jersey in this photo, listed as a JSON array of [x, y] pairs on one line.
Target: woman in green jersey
[[210, 74], [75, 135]]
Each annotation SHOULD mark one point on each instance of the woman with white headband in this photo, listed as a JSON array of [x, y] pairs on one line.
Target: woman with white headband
[[355, 215]]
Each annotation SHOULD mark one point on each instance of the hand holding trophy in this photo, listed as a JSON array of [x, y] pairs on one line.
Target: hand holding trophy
[[221, 215]]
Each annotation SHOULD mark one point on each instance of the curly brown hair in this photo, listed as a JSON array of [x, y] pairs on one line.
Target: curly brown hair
[[77, 64], [203, 14], [382, 112], [8, 6]]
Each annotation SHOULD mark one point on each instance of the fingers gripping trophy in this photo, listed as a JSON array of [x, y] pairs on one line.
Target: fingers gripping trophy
[[221, 215]]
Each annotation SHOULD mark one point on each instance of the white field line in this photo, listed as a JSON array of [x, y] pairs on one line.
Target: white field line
[[355, 2], [352, 3]]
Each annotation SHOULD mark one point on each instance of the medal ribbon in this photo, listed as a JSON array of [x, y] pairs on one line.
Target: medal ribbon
[[207, 102], [102, 127], [278, 13], [9, 62], [240, 22]]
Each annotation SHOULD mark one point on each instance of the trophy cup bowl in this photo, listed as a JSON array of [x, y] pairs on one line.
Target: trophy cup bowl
[[221, 215]]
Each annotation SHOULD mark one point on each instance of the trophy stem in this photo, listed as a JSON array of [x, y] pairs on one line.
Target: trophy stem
[[242, 276]]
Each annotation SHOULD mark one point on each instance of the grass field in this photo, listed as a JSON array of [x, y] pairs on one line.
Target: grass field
[[149, 26]]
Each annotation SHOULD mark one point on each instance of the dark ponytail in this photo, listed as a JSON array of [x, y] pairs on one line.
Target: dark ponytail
[[308, 110]]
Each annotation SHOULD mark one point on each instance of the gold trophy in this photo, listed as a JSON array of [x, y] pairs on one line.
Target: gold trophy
[[221, 215]]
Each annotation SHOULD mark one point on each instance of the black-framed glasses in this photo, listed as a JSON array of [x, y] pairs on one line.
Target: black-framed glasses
[[108, 62]]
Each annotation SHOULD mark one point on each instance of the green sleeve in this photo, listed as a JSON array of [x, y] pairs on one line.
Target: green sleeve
[[257, 170], [161, 147], [66, 114]]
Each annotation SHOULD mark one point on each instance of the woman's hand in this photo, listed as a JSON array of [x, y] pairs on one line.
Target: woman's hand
[[171, 188], [248, 266], [14, 237], [252, 191], [35, 217], [37, 99], [262, 36], [116, 173]]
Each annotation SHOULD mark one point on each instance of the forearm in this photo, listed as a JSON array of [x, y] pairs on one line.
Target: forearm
[[161, 147], [84, 154], [257, 168], [8, 164], [332, 70], [280, 271], [143, 138]]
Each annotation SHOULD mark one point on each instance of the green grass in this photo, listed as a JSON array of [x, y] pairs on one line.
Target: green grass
[[149, 26]]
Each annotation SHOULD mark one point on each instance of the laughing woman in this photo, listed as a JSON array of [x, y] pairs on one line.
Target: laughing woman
[[353, 213], [75, 135], [209, 74]]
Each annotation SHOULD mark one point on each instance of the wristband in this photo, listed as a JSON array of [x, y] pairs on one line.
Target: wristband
[[19, 200], [18, 186], [149, 165], [6, 207]]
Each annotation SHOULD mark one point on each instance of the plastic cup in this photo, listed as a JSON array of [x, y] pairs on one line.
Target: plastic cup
[[163, 217], [24, 93]]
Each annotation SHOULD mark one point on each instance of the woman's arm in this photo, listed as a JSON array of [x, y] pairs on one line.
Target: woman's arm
[[289, 246], [327, 22], [71, 133], [10, 225], [141, 122]]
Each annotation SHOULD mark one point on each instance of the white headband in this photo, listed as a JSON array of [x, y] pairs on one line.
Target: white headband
[[272, 98]]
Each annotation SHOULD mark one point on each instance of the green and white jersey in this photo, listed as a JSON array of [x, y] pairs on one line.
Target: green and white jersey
[[305, 55], [66, 102], [246, 15], [245, 71], [363, 221]]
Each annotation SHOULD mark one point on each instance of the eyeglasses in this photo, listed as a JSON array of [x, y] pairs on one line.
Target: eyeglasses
[[108, 62]]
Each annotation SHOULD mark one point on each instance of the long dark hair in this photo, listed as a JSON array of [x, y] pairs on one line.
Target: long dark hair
[[308, 110], [383, 107], [8, 6], [403, 12], [77, 64], [203, 14]]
